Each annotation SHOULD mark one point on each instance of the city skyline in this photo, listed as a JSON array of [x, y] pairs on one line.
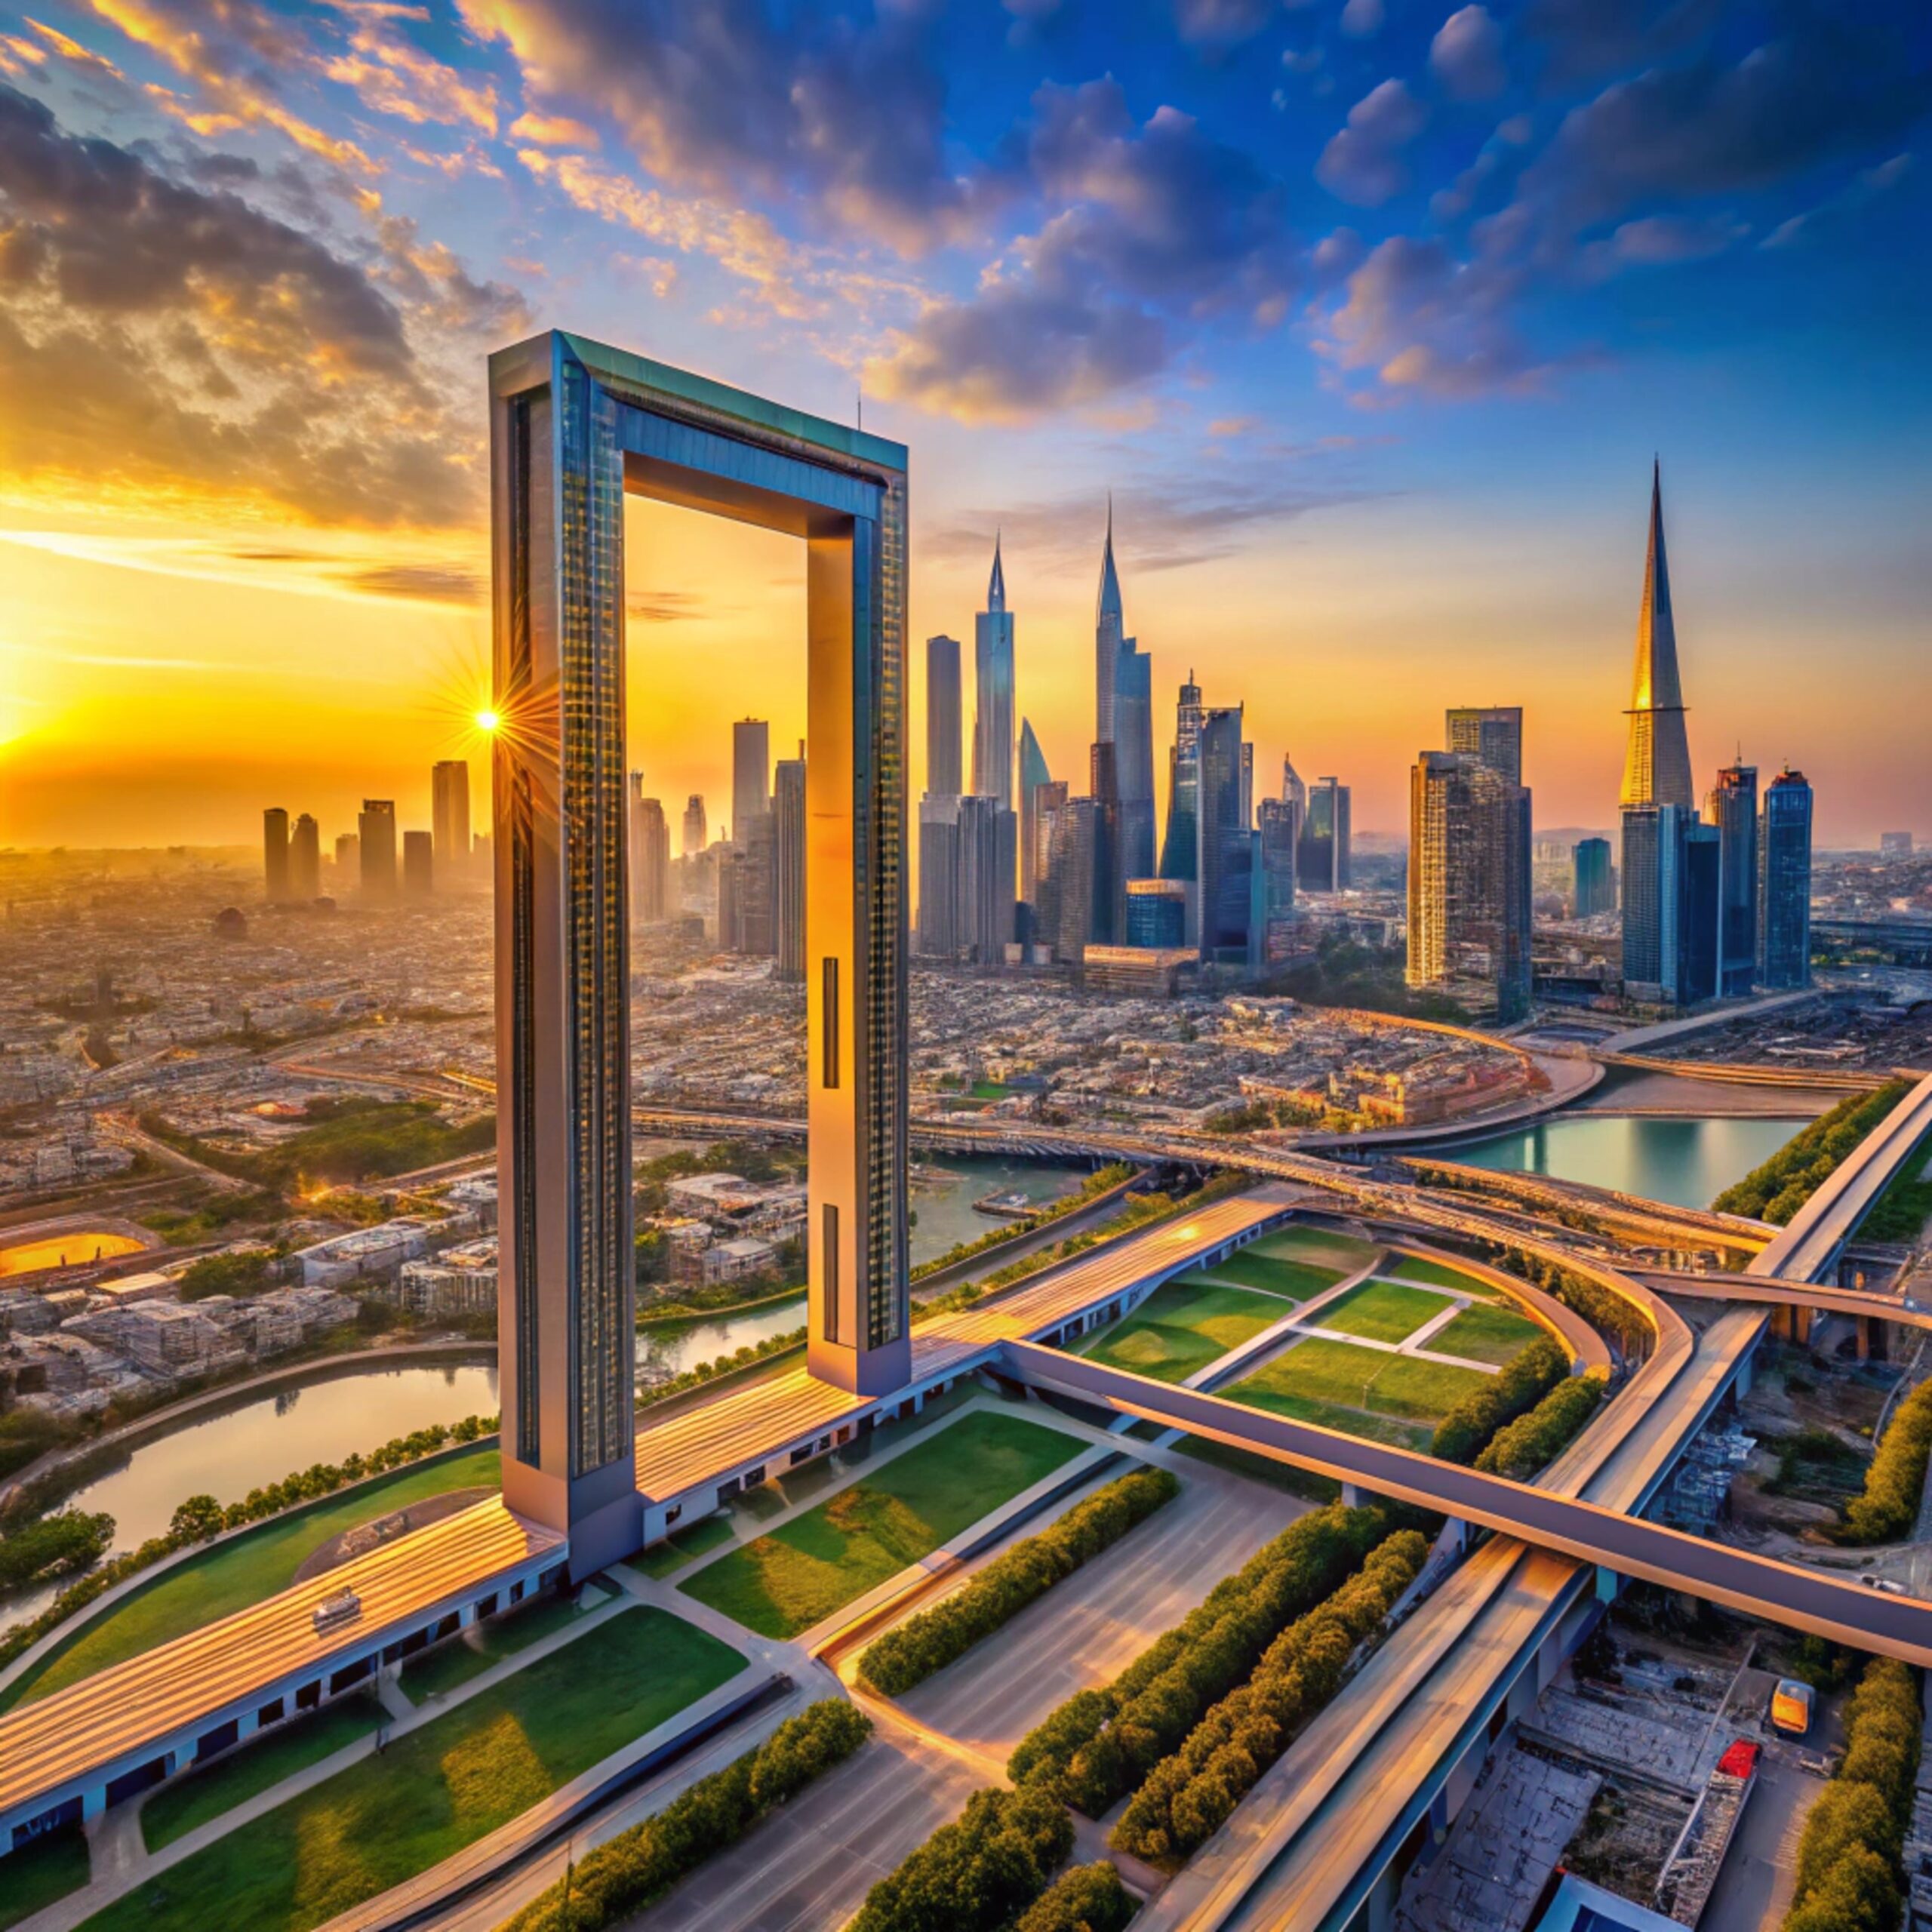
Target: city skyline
[[1387, 416]]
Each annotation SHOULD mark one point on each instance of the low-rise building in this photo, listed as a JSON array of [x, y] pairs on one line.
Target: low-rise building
[[728, 1260], [365, 1253], [460, 1281]]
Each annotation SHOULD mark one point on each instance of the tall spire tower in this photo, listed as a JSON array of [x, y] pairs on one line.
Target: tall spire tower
[[993, 723], [1656, 768], [996, 584], [1109, 626]]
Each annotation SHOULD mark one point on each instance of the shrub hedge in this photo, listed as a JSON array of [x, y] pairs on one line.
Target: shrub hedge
[[621, 1877], [1085, 1898], [1187, 1797], [977, 1874], [1099, 1745], [1519, 1449], [1887, 1508], [1775, 1189], [1850, 1879], [1513, 1390], [933, 1639], [70, 1540]]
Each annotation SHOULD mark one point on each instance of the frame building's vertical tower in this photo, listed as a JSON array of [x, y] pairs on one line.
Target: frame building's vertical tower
[[574, 426]]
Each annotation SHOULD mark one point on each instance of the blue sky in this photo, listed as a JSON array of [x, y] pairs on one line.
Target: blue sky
[[1372, 315]]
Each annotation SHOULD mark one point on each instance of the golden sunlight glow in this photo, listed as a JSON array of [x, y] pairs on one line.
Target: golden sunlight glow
[[488, 721]]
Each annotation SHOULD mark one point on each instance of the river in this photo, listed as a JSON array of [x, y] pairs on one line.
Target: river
[[1688, 1163]]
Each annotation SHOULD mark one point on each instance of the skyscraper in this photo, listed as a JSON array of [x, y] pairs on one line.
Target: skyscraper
[[788, 817], [1670, 905], [1110, 628], [1033, 773], [1071, 908], [418, 865], [937, 936], [1784, 893], [348, 858], [983, 921], [1224, 859], [1322, 861], [275, 855], [992, 696], [943, 715], [1108, 898], [1156, 912], [1656, 766], [449, 816], [1177, 844], [1594, 890], [1294, 791], [375, 828], [1492, 732], [1732, 807], [1469, 878], [1272, 920], [751, 776], [305, 860], [650, 856], [757, 871], [696, 835], [1049, 799], [1133, 758]]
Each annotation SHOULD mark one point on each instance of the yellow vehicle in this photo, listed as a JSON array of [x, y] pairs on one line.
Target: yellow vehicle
[[1791, 1706]]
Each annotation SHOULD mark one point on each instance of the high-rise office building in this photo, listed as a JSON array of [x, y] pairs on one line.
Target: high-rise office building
[[348, 860], [756, 850], [1044, 915], [1491, 733], [1272, 919], [650, 856], [1784, 889], [1073, 913], [1109, 629], [1322, 861], [1177, 844], [449, 817], [375, 828], [751, 775], [1108, 881], [1033, 773], [419, 872], [1134, 758], [983, 920], [305, 860], [1656, 764], [275, 855], [938, 934], [1156, 912], [1247, 787], [1594, 888], [1670, 905], [993, 692], [943, 716], [788, 823], [1732, 808], [1223, 854], [1294, 791], [696, 833], [1469, 878]]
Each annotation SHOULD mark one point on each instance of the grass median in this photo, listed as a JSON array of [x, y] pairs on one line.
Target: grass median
[[1380, 1312], [789, 1578], [1381, 1398], [1183, 1326], [1486, 1333], [439, 1788], [1419, 1268], [217, 1581]]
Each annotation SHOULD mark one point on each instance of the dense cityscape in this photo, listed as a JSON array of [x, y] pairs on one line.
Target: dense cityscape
[[874, 1056]]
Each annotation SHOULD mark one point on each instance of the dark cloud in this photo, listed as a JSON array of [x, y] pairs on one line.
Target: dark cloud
[[1221, 24], [1158, 228], [431, 583], [1584, 40], [1364, 163], [660, 607], [1466, 55], [751, 97]]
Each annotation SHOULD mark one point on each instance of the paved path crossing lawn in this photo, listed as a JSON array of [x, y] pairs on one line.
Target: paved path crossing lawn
[[1183, 1326], [1419, 1268], [1381, 1311], [788, 1579], [1272, 1274], [437, 1788], [1368, 1393], [1486, 1333]]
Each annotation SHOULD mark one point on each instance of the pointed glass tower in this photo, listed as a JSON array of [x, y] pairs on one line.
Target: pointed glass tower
[[1109, 626], [1656, 768], [992, 728]]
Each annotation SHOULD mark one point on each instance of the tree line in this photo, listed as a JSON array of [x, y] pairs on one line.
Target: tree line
[[1775, 1189]]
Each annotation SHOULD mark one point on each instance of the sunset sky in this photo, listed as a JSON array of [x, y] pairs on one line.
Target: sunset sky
[[1371, 316]]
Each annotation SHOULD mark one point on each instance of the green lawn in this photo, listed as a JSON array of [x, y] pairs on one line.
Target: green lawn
[[681, 1547], [1323, 1247], [785, 1582], [1363, 1391], [1418, 1268], [221, 1581], [1489, 1332], [1297, 1280], [188, 1803], [484, 1644], [438, 1788], [1380, 1312], [39, 1873], [1183, 1325]]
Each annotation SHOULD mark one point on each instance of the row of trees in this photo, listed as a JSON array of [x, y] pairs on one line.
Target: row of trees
[[1085, 1898], [1850, 1878], [1603, 1308], [1096, 1183], [1463, 1435], [1100, 1744], [929, 1641], [201, 1517], [1534, 1442], [1775, 1189], [1887, 1508], [1188, 1796], [71, 1540], [977, 1874], [624, 1875]]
